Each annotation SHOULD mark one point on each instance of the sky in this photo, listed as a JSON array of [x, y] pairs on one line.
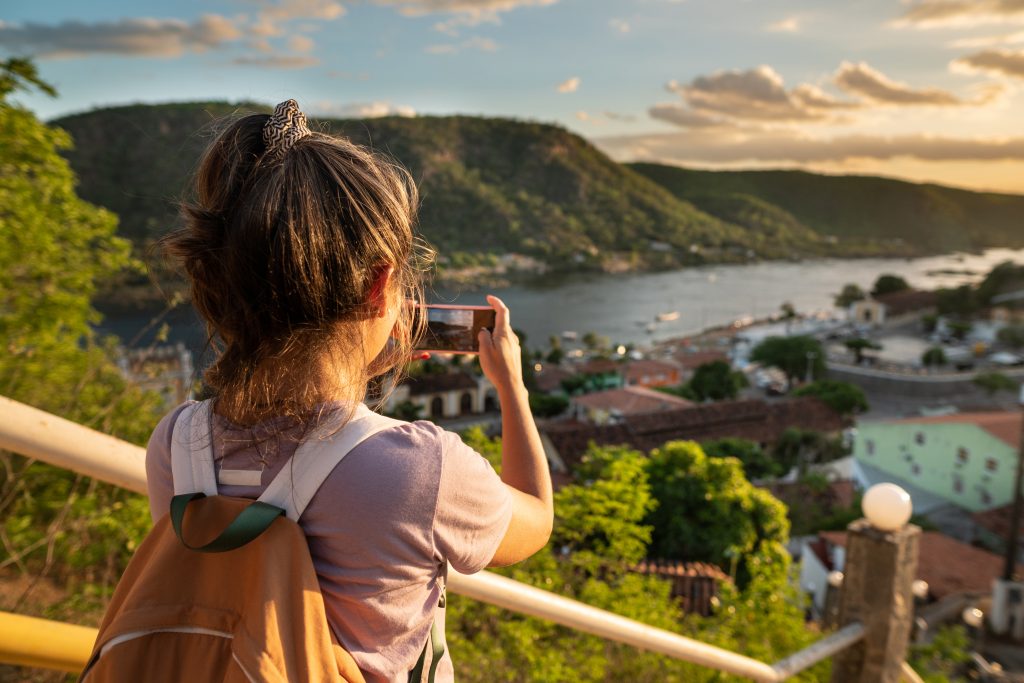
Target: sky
[[925, 90]]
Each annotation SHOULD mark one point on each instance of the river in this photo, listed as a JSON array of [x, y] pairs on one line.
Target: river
[[621, 307]]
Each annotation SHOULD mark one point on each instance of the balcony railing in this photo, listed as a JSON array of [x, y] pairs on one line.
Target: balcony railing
[[35, 642]]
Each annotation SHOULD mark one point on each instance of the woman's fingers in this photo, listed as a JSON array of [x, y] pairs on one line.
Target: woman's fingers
[[501, 317]]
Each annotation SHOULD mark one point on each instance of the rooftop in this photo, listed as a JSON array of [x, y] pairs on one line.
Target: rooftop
[[632, 401], [948, 565], [1004, 425], [749, 419], [906, 301], [439, 383]]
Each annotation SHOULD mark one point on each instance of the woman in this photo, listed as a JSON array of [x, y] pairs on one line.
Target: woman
[[300, 254]]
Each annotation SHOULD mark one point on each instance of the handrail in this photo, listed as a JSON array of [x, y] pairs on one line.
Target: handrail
[[60, 442], [28, 641]]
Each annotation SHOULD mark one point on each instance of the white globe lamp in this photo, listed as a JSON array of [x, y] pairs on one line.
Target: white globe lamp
[[887, 506]]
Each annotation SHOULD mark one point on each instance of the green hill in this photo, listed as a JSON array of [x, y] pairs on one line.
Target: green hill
[[858, 209], [487, 185]]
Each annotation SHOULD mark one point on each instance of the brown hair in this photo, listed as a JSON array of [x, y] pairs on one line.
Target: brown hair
[[281, 251]]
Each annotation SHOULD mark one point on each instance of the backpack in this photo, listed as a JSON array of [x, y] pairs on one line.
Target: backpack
[[223, 588]]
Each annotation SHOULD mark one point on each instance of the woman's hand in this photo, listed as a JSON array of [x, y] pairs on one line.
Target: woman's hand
[[500, 356]]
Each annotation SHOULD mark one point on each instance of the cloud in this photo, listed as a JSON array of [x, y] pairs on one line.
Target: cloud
[[144, 37], [684, 117], [601, 118], [286, 10], [359, 110], [615, 116], [784, 146], [620, 25], [787, 25], [300, 44], [863, 81], [475, 43], [570, 85], [989, 41], [997, 62], [274, 61], [944, 13], [582, 116], [481, 8], [754, 95]]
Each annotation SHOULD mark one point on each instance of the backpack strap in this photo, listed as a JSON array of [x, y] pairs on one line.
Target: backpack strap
[[314, 460], [192, 466]]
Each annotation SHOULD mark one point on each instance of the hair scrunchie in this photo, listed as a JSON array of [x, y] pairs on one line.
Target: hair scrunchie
[[286, 126]]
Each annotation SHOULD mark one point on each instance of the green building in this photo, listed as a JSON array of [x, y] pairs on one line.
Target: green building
[[968, 459]]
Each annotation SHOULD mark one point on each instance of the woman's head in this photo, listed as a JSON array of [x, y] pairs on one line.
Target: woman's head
[[295, 242]]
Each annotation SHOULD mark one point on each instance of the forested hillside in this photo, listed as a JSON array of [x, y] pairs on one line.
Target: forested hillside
[[926, 218]]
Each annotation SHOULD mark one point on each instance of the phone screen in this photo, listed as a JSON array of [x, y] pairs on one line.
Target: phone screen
[[455, 329]]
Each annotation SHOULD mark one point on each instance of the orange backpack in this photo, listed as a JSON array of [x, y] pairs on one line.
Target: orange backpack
[[224, 589]]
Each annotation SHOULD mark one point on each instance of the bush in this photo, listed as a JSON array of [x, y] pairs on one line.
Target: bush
[[933, 357]]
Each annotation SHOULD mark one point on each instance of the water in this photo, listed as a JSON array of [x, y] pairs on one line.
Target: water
[[621, 307]]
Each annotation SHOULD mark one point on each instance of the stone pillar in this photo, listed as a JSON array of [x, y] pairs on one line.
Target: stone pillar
[[877, 591]]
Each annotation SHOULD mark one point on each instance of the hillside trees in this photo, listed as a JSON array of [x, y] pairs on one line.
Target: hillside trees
[[888, 283], [54, 250]]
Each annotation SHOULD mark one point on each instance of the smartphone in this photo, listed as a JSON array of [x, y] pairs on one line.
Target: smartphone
[[454, 329]]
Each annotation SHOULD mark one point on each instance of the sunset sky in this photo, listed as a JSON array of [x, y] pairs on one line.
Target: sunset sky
[[928, 90]]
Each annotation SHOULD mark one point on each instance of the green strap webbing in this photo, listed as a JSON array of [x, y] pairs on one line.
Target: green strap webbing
[[436, 644], [250, 523]]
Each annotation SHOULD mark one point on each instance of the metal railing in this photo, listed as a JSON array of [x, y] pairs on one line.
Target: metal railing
[[45, 437]]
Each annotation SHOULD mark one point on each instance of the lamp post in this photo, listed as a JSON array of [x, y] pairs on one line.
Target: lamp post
[[878, 587]]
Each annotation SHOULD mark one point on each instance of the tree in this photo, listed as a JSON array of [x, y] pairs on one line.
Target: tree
[[959, 328], [708, 511], [757, 463], [716, 381], [788, 314], [1012, 336], [792, 355], [959, 302], [801, 448], [542, 405], [887, 284], [993, 382], [55, 251], [933, 357], [408, 411], [844, 398], [1004, 278], [859, 345], [849, 294]]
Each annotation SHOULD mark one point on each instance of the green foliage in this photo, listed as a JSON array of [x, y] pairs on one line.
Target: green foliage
[[888, 284], [543, 405], [802, 448], [757, 463], [946, 658], [859, 346], [408, 411], [959, 302], [1012, 336], [716, 381], [1005, 278], [55, 249], [929, 321], [850, 293], [682, 391], [792, 355], [994, 382], [959, 328], [708, 511], [844, 398], [933, 357]]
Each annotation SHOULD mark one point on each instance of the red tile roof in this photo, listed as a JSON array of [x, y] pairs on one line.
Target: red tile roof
[[1004, 425], [907, 300], [631, 401], [439, 383], [600, 366], [550, 378], [949, 566], [694, 359], [750, 419], [637, 369]]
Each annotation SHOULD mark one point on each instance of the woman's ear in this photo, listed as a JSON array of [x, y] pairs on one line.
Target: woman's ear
[[377, 300]]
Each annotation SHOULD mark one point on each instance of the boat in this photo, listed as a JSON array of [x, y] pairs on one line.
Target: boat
[[569, 335], [667, 317]]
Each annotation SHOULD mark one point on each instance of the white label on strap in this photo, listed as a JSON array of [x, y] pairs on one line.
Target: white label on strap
[[240, 477]]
